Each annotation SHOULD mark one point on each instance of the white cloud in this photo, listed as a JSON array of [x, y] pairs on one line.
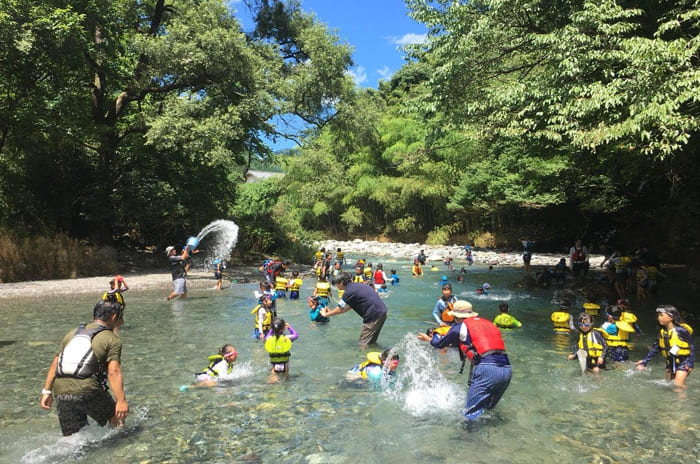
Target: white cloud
[[408, 39], [359, 75], [385, 73]]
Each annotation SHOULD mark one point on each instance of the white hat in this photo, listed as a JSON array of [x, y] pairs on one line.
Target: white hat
[[462, 309], [168, 250]]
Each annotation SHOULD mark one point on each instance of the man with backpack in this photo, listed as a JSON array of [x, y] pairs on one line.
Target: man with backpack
[[89, 357]]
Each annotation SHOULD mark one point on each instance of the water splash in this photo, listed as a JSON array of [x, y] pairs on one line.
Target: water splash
[[224, 235], [74, 447], [418, 383]]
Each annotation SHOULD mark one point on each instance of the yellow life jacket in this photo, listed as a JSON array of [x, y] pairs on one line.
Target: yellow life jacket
[[368, 272], [669, 338], [358, 278], [628, 317], [341, 293], [318, 255], [340, 256], [267, 322], [280, 283], [561, 322], [114, 296], [323, 288], [589, 343], [652, 272], [373, 359], [591, 308], [213, 360], [278, 347], [417, 270], [295, 284], [622, 338]]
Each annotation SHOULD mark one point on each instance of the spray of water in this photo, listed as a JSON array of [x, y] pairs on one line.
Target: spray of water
[[418, 383], [74, 447], [218, 239]]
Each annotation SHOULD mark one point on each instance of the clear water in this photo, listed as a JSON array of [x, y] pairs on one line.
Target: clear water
[[550, 413]]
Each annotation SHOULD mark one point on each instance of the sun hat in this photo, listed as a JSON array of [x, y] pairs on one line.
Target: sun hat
[[168, 250], [462, 309]]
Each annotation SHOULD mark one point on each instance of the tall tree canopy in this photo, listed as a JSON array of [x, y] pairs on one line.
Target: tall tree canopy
[[142, 116]]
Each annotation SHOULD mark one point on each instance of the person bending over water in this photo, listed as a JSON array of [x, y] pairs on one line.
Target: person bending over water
[[220, 367]]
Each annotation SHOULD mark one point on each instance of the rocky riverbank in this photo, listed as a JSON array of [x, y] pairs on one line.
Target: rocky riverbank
[[360, 248], [148, 275]]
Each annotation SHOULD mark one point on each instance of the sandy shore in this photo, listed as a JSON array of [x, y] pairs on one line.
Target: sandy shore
[[160, 278]]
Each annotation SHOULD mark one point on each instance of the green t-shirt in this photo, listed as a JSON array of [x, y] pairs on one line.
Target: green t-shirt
[[106, 346], [506, 321]]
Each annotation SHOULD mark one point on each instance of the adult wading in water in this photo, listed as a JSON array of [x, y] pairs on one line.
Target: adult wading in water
[[365, 301], [89, 357], [480, 342]]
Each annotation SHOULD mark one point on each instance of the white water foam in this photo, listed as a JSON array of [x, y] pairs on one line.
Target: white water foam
[[418, 383], [218, 239]]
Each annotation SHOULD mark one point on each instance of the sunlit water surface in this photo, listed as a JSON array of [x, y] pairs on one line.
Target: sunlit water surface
[[550, 413]]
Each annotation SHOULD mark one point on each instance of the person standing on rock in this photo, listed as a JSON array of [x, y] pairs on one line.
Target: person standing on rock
[[365, 301]]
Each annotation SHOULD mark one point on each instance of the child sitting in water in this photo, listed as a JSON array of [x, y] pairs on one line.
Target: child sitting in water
[[315, 307], [219, 368], [592, 343], [278, 345], [505, 320], [375, 365]]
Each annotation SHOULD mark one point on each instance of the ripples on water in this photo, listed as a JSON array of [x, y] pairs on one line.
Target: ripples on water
[[551, 413]]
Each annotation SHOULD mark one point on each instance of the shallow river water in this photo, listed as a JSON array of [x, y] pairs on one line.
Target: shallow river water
[[550, 414]]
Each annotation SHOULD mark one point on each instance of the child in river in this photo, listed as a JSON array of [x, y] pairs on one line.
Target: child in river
[[563, 320], [375, 365], [592, 343], [278, 346], [219, 368], [505, 320], [675, 342], [315, 307], [264, 314]]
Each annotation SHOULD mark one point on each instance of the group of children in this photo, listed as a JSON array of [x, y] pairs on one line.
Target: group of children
[[612, 338], [278, 335], [595, 344]]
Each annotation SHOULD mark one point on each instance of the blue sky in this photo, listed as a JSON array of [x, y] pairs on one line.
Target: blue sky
[[375, 28]]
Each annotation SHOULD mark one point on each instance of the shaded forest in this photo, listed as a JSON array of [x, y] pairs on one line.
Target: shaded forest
[[132, 124]]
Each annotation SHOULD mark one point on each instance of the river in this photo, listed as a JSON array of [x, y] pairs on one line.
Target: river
[[550, 414]]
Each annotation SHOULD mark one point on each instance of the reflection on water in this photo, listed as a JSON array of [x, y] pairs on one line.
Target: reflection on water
[[551, 413]]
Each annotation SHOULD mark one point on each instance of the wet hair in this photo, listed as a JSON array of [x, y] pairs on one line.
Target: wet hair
[[385, 355], [614, 311], [673, 312], [226, 349], [339, 249], [503, 307], [295, 273], [447, 285], [379, 266], [584, 318], [278, 326], [104, 310], [393, 271]]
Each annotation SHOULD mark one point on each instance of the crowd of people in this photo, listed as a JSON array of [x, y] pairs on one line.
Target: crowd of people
[[88, 358]]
